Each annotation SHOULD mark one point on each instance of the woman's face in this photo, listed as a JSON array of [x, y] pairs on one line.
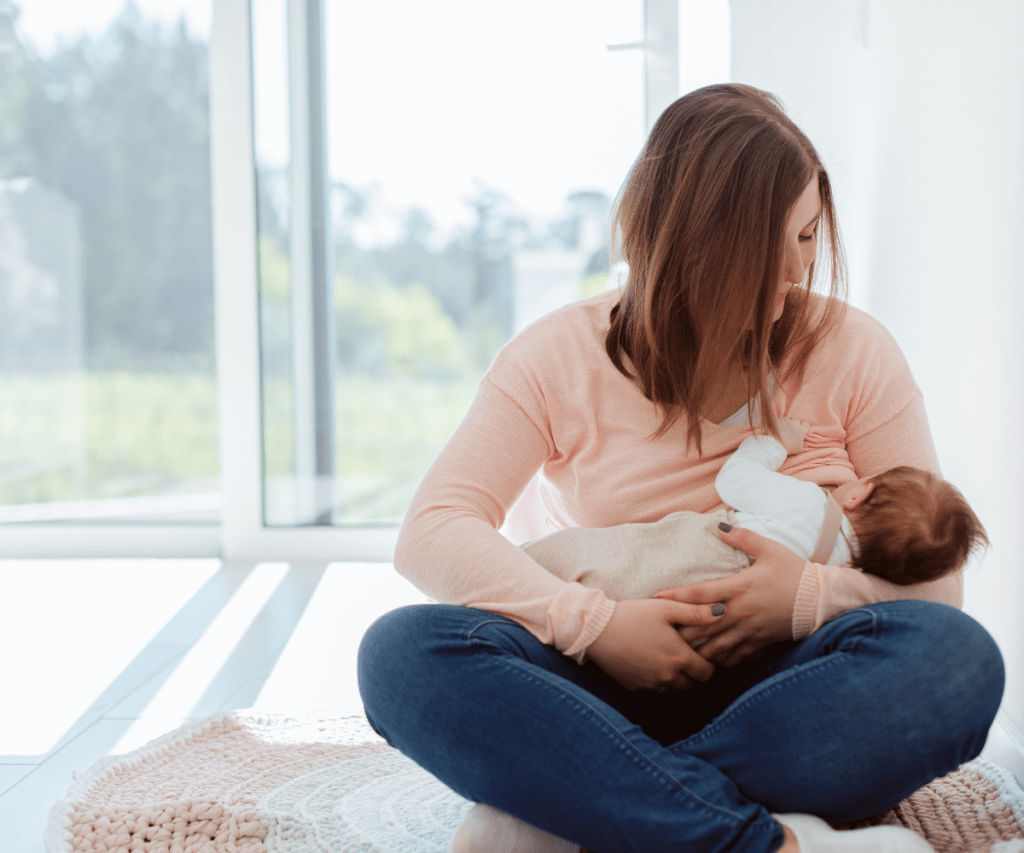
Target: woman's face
[[801, 239]]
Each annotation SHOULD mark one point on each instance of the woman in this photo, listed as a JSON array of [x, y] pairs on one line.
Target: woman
[[727, 714]]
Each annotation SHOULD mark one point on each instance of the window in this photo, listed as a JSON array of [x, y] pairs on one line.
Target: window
[[107, 359]]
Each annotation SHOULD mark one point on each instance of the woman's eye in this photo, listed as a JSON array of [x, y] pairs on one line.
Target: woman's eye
[[804, 238]]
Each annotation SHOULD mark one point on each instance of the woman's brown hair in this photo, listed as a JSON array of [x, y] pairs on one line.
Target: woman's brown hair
[[702, 215], [914, 527]]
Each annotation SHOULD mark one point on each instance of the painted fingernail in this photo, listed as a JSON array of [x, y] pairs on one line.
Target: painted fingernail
[[717, 609], [724, 526]]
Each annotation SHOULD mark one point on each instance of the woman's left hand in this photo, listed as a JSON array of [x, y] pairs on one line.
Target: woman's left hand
[[758, 601]]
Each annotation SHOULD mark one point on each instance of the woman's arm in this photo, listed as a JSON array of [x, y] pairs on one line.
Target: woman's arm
[[449, 545]]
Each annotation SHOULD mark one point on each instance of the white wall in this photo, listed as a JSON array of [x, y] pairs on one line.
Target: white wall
[[917, 107]]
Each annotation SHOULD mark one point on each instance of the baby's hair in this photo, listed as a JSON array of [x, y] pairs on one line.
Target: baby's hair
[[914, 527]]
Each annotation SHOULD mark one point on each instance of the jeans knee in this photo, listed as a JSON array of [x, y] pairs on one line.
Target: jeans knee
[[386, 651], [969, 656], [962, 666], [379, 640]]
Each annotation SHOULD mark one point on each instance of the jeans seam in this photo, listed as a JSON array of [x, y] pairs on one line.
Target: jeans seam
[[764, 689], [470, 634], [874, 619], [672, 785]]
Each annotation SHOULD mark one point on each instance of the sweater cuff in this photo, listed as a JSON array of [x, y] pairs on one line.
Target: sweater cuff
[[592, 628], [806, 605]]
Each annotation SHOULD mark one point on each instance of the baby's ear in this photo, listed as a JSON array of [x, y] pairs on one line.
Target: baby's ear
[[859, 495]]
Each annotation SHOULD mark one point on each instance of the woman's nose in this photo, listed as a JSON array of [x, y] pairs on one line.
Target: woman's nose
[[794, 268]]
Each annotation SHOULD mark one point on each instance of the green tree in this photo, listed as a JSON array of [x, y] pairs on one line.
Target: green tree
[[120, 125], [384, 332]]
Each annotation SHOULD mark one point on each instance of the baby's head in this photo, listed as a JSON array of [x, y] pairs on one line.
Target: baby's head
[[911, 525]]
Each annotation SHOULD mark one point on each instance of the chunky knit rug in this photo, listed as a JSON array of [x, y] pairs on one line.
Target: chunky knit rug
[[243, 782]]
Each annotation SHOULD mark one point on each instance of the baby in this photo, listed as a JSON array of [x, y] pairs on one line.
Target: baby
[[905, 525]]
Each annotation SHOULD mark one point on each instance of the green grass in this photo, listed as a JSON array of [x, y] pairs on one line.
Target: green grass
[[81, 436]]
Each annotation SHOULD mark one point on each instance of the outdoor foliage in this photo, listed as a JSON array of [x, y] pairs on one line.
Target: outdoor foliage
[[122, 434]]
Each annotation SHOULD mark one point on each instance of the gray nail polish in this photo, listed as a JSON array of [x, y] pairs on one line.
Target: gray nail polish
[[717, 609], [724, 526]]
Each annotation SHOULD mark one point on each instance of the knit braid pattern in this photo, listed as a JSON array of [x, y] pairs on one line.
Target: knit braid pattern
[[978, 808], [246, 782]]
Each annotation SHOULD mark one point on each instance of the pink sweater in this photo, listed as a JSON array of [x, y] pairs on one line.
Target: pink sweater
[[553, 401]]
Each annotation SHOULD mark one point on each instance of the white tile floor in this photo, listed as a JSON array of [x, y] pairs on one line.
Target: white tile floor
[[101, 656]]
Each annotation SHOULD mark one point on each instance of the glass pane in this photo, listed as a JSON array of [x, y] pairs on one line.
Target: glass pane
[[107, 357], [473, 151]]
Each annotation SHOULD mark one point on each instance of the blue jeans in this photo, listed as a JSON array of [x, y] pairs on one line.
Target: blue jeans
[[878, 702]]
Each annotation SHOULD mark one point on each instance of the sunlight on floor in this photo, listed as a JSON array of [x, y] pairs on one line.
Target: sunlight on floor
[[68, 629], [285, 642], [181, 692], [317, 668]]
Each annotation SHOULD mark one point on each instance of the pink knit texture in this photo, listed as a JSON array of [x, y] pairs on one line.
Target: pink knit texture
[[196, 790], [970, 810], [242, 782]]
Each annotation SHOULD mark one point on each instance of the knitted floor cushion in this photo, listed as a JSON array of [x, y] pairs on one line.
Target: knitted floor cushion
[[243, 782]]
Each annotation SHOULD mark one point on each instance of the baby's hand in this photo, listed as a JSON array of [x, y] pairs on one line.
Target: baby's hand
[[792, 434]]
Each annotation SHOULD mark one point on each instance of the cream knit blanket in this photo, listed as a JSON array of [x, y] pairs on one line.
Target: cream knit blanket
[[244, 782]]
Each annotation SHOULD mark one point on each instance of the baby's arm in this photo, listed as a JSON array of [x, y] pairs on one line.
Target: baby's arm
[[792, 434], [749, 481]]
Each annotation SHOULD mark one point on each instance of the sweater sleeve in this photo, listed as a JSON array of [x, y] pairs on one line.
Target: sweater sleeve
[[449, 544], [876, 443]]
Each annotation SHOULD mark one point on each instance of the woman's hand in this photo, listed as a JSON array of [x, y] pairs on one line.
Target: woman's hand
[[641, 647], [758, 601]]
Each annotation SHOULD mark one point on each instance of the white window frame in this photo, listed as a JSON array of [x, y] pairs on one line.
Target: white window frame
[[241, 533]]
